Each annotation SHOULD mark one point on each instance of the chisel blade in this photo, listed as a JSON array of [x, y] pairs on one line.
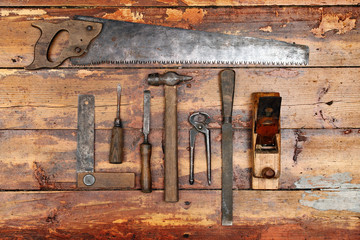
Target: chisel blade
[[146, 121]]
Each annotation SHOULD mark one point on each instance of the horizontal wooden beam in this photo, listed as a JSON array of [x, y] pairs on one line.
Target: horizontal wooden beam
[[310, 159], [47, 99], [174, 3], [330, 32], [135, 215]]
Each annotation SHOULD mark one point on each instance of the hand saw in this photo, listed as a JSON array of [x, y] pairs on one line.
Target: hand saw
[[118, 42]]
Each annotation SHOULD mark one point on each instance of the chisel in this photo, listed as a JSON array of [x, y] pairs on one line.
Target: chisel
[[117, 141], [227, 78], [145, 147]]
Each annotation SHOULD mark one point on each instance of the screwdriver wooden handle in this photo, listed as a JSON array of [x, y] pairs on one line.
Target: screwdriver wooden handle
[[145, 179], [116, 145]]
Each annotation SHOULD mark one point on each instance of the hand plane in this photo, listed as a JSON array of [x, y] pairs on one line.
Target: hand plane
[[266, 141], [95, 41]]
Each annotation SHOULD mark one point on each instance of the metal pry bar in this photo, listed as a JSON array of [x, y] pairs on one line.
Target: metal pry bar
[[200, 120]]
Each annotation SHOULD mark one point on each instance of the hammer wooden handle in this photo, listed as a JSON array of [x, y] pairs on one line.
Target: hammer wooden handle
[[145, 179], [116, 145], [171, 163]]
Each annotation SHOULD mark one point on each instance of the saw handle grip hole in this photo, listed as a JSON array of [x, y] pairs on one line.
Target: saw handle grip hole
[[57, 45]]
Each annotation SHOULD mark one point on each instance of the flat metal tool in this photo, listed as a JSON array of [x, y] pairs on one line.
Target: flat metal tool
[[85, 134], [227, 79], [135, 43], [145, 147], [200, 120], [86, 176]]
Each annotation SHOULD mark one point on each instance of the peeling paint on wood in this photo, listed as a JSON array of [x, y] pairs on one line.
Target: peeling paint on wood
[[21, 12], [188, 17], [335, 181], [335, 200], [125, 14], [266, 29], [338, 23]]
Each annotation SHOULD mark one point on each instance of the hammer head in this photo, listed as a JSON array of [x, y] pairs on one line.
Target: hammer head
[[169, 78]]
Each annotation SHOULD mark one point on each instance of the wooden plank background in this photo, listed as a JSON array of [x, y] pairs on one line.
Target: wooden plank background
[[319, 192]]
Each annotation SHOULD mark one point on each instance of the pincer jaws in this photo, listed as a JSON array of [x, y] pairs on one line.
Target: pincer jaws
[[200, 120]]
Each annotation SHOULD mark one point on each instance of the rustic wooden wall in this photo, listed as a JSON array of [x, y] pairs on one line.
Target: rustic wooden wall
[[319, 196]]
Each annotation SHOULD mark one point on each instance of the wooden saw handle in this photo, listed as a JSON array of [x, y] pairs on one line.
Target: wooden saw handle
[[80, 35]]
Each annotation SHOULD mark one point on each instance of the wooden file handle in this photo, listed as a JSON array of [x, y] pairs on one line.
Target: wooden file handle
[[145, 179]]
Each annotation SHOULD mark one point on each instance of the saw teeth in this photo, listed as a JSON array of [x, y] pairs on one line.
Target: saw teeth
[[204, 62]]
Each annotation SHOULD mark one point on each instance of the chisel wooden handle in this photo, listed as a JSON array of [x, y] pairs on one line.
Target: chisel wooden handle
[[116, 145], [145, 179]]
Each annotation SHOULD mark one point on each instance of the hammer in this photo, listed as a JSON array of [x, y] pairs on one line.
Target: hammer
[[170, 80]]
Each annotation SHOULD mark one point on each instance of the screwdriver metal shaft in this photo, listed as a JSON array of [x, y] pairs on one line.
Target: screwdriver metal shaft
[[117, 139]]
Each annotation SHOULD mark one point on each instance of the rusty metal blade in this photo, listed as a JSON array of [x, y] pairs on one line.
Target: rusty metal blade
[[227, 80], [227, 174], [85, 134], [134, 43]]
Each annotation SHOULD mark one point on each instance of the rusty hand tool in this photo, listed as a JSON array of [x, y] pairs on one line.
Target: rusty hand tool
[[227, 78], [118, 42], [117, 138], [170, 80], [200, 120], [145, 147], [266, 140], [87, 177]]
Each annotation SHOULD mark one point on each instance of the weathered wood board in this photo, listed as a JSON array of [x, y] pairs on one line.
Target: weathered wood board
[[331, 32], [133, 215], [175, 3], [47, 99], [319, 191], [311, 159]]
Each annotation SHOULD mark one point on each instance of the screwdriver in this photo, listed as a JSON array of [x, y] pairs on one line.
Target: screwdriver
[[145, 147], [117, 141]]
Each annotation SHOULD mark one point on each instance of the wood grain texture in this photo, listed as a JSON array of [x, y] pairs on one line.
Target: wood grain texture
[[145, 175], [47, 99], [171, 188], [116, 154], [134, 215], [175, 3], [330, 32], [320, 139], [311, 159]]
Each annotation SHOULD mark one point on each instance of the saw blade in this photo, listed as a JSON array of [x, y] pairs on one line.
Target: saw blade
[[135, 43]]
